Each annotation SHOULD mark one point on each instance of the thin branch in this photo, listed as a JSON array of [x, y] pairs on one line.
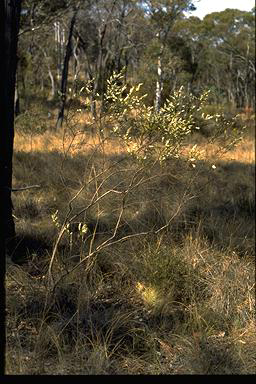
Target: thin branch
[[24, 188]]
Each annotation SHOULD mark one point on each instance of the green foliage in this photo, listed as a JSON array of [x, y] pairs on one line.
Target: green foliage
[[159, 136]]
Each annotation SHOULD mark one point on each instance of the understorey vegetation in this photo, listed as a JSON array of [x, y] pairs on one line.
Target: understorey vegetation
[[134, 247]]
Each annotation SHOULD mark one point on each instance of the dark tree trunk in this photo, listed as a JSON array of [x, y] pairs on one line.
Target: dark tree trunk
[[16, 100], [9, 14], [64, 79]]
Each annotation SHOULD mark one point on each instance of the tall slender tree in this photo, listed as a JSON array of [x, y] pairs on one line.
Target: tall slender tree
[[64, 79], [10, 15], [163, 14]]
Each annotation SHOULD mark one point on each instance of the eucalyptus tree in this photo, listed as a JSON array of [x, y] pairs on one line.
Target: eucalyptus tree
[[42, 44], [162, 15], [64, 79], [10, 15], [188, 43], [104, 31], [221, 51], [229, 55]]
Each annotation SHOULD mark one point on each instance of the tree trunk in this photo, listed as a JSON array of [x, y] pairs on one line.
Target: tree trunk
[[159, 84], [64, 79], [49, 73], [76, 66], [52, 82], [58, 48], [98, 80], [9, 14], [16, 99]]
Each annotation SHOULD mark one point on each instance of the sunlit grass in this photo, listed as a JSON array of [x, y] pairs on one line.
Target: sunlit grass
[[79, 143], [82, 143], [148, 294]]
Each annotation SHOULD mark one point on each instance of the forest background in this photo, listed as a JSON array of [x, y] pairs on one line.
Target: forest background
[[152, 40]]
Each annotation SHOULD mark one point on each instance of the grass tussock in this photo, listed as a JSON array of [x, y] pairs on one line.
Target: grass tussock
[[153, 274]]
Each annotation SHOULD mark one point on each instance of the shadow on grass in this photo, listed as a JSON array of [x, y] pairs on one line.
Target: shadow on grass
[[23, 247], [224, 208]]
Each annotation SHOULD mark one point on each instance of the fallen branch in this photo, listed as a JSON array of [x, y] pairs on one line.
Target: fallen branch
[[24, 188]]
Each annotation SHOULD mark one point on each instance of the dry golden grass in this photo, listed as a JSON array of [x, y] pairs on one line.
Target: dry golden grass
[[244, 152], [82, 143]]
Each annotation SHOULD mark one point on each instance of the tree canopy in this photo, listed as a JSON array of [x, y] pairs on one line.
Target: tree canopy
[[153, 40]]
